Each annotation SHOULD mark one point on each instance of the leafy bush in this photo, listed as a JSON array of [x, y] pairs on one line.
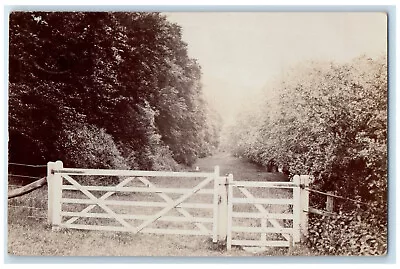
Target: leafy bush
[[327, 120], [88, 146], [351, 233]]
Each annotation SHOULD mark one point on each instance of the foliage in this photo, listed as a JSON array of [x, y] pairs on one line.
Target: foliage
[[328, 120], [352, 233], [88, 146], [121, 78]]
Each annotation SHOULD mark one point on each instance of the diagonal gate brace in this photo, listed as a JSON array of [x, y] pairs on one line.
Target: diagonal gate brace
[[264, 211], [172, 205], [170, 200], [103, 197], [98, 201]]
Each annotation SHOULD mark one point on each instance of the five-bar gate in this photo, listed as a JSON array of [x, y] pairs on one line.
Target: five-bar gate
[[142, 201], [240, 213]]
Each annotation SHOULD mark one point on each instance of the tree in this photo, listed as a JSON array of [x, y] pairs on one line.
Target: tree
[[121, 77]]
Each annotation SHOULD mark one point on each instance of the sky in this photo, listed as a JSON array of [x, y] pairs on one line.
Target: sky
[[240, 53]]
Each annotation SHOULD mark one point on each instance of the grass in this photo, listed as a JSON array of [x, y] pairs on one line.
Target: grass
[[34, 237]]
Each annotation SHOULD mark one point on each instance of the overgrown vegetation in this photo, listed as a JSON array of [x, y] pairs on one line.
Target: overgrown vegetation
[[105, 90], [328, 120], [352, 233]]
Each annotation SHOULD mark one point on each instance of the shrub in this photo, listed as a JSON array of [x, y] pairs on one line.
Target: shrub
[[328, 120], [352, 233], [88, 146]]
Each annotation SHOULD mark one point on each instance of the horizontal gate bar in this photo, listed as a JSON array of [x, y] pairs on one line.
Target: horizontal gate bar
[[263, 184], [103, 197], [263, 210], [261, 215], [145, 230], [262, 201], [129, 173], [260, 243], [136, 189], [137, 217], [134, 203], [261, 230], [176, 231]]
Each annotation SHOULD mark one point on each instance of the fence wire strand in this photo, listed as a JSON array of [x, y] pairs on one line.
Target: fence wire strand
[[29, 207], [29, 165], [336, 196], [14, 175], [36, 217]]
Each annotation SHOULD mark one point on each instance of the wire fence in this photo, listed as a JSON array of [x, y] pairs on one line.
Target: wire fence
[[14, 186], [31, 205], [30, 200], [24, 211], [19, 173], [28, 165], [28, 207], [336, 196], [14, 175], [22, 173]]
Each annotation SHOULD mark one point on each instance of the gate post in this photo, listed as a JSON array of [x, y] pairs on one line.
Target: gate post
[[230, 209], [304, 204], [54, 183], [216, 206], [50, 199], [222, 209], [296, 209]]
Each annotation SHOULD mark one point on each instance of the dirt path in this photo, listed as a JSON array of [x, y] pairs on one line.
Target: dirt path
[[240, 168]]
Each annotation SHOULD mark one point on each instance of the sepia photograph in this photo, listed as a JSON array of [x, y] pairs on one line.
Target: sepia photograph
[[201, 134]]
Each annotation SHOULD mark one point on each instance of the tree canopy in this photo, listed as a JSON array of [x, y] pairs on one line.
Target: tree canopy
[[105, 90]]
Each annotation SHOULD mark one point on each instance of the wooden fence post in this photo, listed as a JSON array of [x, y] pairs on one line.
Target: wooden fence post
[[291, 244], [55, 192], [222, 209], [50, 199], [329, 202], [230, 210], [304, 204], [296, 209], [216, 205]]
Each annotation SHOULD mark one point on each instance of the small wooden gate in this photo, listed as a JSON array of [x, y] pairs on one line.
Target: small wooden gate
[[123, 207], [256, 219]]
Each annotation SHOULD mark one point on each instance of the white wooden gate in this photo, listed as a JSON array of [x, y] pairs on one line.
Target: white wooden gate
[[244, 213], [124, 207], [264, 213]]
